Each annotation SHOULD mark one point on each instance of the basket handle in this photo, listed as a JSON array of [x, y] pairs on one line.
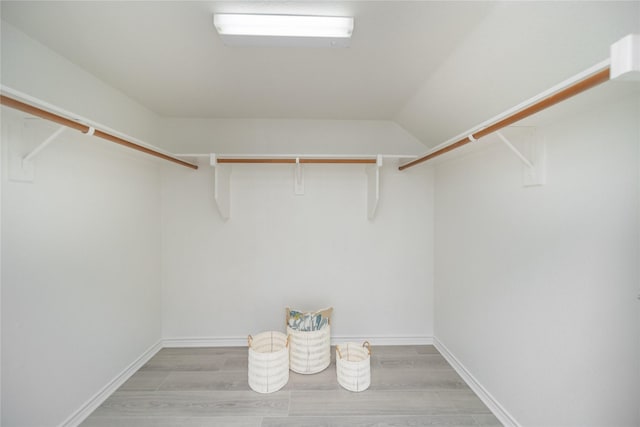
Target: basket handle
[[288, 340], [286, 316], [367, 346], [338, 350], [249, 340]]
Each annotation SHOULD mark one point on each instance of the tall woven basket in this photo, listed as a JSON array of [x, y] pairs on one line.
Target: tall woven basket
[[353, 366], [268, 361], [310, 350]]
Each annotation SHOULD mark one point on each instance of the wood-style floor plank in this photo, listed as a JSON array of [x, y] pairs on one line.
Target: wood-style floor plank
[[187, 362], [464, 400], [325, 380], [207, 380], [144, 381], [415, 379], [416, 361], [240, 421], [371, 402], [194, 403], [396, 350], [371, 421], [426, 349], [487, 420], [202, 387]]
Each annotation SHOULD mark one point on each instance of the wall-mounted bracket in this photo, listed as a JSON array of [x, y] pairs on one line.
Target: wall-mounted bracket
[[29, 157], [532, 156], [222, 175], [221, 186], [298, 178], [625, 58], [21, 165], [373, 187]]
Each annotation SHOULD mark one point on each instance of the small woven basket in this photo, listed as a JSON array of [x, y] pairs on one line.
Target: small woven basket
[[310, 350], [353, 366], [268, 361]]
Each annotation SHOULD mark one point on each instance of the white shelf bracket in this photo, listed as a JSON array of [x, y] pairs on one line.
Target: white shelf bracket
[[221, 186], [298, 179], [21, 166], [534, 162], [373, 187], [515, 150], [29, 157]]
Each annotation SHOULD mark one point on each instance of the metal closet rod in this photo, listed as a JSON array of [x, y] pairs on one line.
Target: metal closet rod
[[64, 121], [293, 160], [546, 102]]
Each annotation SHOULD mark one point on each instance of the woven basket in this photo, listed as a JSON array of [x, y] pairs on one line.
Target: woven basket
[[353, 366], [268, 361], [310, 350]]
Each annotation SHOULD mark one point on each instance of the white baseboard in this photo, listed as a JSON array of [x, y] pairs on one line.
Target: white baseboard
[[498, 410], [205, 342], [242, 341], [96, 400]]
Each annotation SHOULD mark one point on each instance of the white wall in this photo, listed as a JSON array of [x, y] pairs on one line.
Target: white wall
[[536, 288], [229, 279], [517, 51], [80, 273], [80, 247], [282, 136], [33, 69]]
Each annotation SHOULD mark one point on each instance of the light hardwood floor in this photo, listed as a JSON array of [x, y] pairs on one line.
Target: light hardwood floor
[[198, 387]]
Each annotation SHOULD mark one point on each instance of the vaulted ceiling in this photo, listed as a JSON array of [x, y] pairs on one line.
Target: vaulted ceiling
[[436, 68]]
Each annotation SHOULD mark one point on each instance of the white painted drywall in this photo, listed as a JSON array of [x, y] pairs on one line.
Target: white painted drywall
[[229, 279], [282, 136], [517, 51], [80, 273], [33, 69], [536, 288]]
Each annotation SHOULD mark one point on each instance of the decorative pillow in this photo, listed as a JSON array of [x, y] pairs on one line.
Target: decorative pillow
[[308, 321]]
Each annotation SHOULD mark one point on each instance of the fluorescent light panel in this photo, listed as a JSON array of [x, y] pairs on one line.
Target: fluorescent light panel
[[283, 25]]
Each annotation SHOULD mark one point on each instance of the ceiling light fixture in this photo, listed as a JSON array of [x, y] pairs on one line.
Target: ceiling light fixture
[[283, 30]]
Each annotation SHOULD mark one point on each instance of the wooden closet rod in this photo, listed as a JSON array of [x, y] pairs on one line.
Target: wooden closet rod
[[292, 160], [43, 114], [546, 102]]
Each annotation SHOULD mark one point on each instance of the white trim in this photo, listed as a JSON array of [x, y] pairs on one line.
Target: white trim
[[304, 156], [205, 342], [242, 341], [498, 410], [96, 400]]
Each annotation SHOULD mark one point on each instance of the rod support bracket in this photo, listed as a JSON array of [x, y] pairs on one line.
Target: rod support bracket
[[221, 186], [532, 155], [298, 182], [373, 187], [33, 153], [21, 160]]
